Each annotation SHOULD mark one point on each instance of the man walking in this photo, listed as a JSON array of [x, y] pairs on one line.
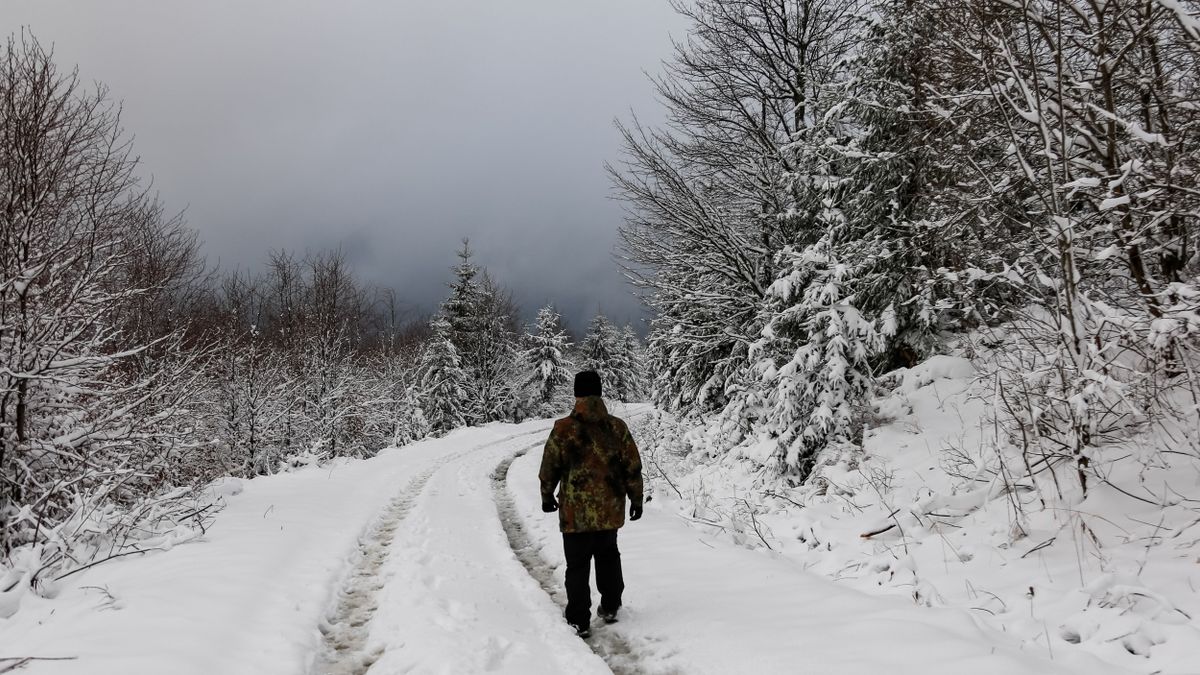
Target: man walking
[[592, 460]]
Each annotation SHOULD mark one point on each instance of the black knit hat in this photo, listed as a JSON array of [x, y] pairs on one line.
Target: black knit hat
[[587, 383]]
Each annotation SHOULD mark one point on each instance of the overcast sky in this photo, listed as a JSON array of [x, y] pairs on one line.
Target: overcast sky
[[389, 128]]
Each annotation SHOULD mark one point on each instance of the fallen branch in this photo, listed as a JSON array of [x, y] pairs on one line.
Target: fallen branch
[[20, 661], [1185, 528], [104, 560], [872, 533], [663, 474], [772, 493], [754, 523], [1040, 546], [1133, 496]]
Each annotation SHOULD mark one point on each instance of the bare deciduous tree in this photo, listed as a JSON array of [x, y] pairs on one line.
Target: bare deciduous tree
[[82, 425]]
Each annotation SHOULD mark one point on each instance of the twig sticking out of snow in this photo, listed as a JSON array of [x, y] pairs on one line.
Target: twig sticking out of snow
[[21, 661], [882, 529]]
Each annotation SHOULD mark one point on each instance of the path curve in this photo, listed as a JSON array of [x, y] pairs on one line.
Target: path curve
[[451, 597], [607, 644], [347, 628]]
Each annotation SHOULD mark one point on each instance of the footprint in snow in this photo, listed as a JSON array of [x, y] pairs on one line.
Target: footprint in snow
[[495, 652]]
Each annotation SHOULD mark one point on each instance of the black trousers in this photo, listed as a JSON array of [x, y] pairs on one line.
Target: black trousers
[[580, 548]]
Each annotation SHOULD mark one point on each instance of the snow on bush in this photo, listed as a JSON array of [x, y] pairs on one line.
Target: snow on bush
[[945, 502], [96, 416]]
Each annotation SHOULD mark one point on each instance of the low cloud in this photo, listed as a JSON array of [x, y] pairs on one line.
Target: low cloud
[[392, 130]]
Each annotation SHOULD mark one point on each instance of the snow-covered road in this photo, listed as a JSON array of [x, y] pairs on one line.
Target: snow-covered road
[[436, 558]]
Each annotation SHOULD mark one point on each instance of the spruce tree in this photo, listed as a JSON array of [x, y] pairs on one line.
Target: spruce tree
[[544, 361], [443, 382], [606, 351], [634, 359], [891, 204], [462, 308], [480, 316], [818, 349], [463, 311], [493, 361]]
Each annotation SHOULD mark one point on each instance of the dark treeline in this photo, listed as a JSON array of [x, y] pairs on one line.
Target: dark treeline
[[132, 374]]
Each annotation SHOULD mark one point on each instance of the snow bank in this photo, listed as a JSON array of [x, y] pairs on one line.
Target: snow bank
[[246, 598], [695, 603], [921, 511]]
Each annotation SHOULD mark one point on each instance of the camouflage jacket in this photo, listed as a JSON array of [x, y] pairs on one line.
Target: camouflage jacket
[[592, 460]]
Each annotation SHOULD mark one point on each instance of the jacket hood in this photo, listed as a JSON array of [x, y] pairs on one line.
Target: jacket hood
[[590, 408]]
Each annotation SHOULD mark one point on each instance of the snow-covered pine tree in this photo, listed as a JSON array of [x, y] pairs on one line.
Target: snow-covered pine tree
[[711, 204], [597, 349], [635, 361], [604, 350], [870, 174], [817, 353], [462, 309], [882, 173], [547, 372], [442, 380], [411, 425], [852, 149], [493, 363], [481, 315]]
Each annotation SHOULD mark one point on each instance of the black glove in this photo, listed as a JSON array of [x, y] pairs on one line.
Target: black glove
[[549, 505], [635, 511]]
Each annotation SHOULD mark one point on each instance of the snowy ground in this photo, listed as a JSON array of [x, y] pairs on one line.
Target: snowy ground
[[921, 514], [436, 558]]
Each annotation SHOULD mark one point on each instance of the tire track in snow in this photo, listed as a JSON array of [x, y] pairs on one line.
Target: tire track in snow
[[609, 645], [346, 629]]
